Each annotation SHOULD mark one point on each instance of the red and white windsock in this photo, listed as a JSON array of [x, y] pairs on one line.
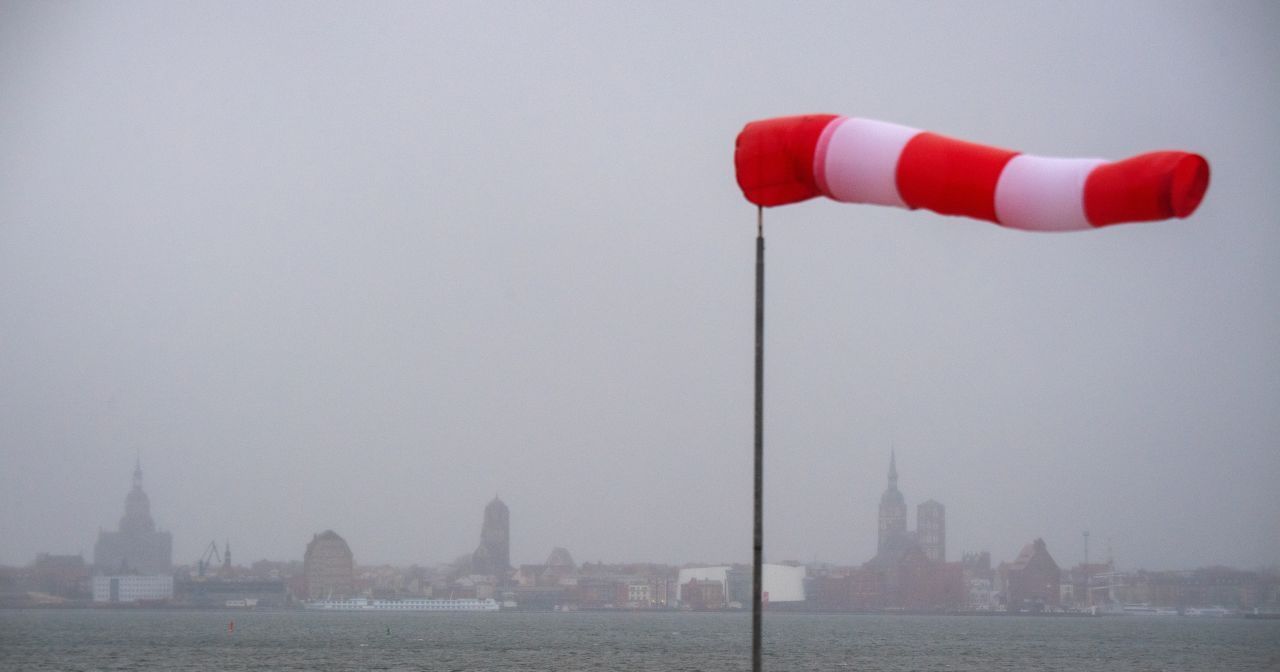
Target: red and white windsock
[[791, 159]]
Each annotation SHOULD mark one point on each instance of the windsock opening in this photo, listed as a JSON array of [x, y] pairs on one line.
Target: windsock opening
[[773, 159]]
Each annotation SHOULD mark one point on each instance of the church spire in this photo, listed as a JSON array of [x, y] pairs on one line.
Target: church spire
[[893, 515], [137, 508]]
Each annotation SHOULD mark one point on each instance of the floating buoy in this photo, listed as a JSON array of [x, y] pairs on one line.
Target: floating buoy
[[231, 626]]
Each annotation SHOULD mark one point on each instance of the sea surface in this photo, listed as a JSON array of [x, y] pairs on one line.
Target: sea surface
[[56, 639]]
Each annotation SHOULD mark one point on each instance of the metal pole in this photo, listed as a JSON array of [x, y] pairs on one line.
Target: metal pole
[[1088, 589], [757, 552]]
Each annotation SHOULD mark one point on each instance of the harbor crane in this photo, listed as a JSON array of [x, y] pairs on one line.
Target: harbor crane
[[210, 554]]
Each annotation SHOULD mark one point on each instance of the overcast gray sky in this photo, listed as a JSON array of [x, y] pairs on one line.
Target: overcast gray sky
[[364, 266]]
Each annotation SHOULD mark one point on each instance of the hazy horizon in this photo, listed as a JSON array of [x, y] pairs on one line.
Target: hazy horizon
[[364, 267]]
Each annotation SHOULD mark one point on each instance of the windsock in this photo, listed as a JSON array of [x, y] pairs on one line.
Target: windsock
[[854, 160]]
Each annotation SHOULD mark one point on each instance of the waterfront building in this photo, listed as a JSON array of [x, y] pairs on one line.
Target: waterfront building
[[137, 547], [558, 570], [781, 583], [784, 583], [639, 595], [559, 565], [493, 556], [980, 579], [624, 586], [931, 530], [241, 592], [980, 595], [719, 574], [1199, 588], [132, 588], [1032, 581], [472, 586], [544, 598], [328, 567], [1080, 581], [829, 592], [703, 594], [60, 575], [978, 563]]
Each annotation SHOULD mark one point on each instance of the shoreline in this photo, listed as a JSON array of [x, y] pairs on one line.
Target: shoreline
[[90, 606]]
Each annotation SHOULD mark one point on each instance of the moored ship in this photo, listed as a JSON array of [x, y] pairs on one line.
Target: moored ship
[[365, 604], [1148, 610]]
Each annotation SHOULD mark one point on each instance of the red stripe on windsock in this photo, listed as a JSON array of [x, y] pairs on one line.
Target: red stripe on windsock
[[1147, 187], [950, 176], [774, 158]]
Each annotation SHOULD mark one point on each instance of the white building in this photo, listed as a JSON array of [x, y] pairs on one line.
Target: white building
[[982, 595], [782, 583], [639, 594], [124, 589]]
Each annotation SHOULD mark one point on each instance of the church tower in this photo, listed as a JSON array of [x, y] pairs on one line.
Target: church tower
[[893, 514], [137, 547], [137, 507], [493, 557], [931, 530]]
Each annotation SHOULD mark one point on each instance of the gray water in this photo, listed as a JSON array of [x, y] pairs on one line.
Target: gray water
[[199, 640]]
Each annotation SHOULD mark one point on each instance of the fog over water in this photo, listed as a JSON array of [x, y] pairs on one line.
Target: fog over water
[[364, 266]]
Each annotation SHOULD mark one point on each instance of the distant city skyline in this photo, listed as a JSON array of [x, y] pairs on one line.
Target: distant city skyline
[[138, 546], [359, 268]]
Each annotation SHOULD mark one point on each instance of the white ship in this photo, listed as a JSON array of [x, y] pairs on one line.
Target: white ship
[[1148, 610], [1217, 612], [365, 604]]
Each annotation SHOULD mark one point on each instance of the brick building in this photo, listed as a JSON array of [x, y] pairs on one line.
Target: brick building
[[329, 567], [703, 594], [1032, 581]]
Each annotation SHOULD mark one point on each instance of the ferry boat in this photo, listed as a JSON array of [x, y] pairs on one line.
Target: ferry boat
[[1148, 610], [1216, 612], [365, 604]]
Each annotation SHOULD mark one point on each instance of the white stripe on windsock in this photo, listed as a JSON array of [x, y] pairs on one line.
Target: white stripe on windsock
[[860, 164], [1038, 193]]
